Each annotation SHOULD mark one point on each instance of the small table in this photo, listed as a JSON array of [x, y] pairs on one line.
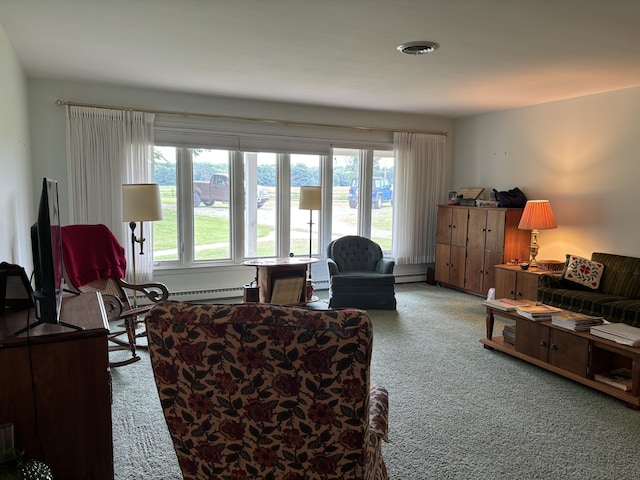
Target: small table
[[282, 280]]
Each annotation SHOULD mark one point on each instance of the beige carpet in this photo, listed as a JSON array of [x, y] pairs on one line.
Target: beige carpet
[[457, 410]]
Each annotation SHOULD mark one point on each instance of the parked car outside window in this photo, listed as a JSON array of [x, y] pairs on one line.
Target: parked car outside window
[[381, 191]]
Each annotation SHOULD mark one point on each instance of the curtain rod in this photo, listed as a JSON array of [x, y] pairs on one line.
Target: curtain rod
[[61, 103]]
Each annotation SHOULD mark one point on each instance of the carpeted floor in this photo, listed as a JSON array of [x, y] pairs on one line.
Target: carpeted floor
[[457, 410]]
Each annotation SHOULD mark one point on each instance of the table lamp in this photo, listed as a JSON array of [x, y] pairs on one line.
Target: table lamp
[[140, 203], [310, 199], [537, 215]]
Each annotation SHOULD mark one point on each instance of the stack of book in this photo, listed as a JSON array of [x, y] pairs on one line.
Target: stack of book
[[538, 313], [509, 333], [618, 332], [619, 378], [575, 321], [506, 304]]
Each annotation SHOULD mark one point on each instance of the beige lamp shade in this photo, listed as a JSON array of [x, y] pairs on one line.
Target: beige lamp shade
[[537, 215], [310, 198], [141, 202]]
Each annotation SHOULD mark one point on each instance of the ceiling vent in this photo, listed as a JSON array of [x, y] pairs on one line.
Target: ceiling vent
[[418, 48]]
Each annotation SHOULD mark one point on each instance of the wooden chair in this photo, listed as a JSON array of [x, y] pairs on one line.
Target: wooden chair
[[94, 261]]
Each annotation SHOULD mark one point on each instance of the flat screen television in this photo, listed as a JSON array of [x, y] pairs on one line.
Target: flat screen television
[[46, 244]]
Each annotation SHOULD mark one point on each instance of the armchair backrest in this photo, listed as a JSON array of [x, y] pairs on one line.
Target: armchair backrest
[[263, 391], [355, 253]]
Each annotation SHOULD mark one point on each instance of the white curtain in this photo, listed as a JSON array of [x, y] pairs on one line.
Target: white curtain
[[107, 148], [419, 187]]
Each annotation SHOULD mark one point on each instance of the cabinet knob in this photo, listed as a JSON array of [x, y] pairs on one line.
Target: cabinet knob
[[519, 294], [543, 343], [511, 292], [553, 347]]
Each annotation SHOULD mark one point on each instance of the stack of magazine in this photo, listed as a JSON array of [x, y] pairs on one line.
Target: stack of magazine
[[618, 332], [509, 333], [506, 304], [538, 313], [575, 321]]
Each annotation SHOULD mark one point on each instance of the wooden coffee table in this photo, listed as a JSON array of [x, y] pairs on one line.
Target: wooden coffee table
[[573, 354]]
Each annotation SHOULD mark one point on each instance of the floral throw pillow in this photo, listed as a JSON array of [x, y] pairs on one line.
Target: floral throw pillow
[[583, 271]]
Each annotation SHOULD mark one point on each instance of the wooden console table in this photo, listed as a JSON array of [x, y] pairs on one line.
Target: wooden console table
[[269, 271], [55, 388], [572, 354]]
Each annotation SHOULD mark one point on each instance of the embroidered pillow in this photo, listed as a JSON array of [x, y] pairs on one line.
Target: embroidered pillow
[[583, 271]]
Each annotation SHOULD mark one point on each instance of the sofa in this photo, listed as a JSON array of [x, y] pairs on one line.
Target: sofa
[[607, 285], [267, 391]]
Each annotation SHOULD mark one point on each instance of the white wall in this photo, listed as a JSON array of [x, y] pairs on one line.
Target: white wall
[[48, 129], [581, 154], [17, 185]]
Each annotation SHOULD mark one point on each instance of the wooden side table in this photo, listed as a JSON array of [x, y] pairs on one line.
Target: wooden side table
[[517, 284], [276, 276]]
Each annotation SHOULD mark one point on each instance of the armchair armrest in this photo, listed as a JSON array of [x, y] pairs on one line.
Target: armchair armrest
[[379, 411], [333, 267], [385, 265]]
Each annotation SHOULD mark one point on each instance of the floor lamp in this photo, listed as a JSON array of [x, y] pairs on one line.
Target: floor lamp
[[537, 215], [310, 199], [140, 203]]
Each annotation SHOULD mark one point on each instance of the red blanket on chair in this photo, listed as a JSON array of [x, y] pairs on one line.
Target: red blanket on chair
[[91, 252]]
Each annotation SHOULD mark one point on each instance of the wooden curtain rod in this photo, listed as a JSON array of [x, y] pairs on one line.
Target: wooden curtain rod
[[61, 103]]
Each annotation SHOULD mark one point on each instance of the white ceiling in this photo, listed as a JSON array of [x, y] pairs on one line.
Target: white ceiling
[[494, 54]]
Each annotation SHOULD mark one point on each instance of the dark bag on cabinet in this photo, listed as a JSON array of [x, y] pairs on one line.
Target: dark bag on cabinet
[[513, 198]]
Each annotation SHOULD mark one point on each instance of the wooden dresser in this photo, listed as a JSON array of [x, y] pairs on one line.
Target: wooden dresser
[[55, 387], [470, 241]]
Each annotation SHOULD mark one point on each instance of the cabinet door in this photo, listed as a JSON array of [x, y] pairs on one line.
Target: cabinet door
[[505, 283], [445, 222], [457, 266], [568, 351], [491, 259], [476, 229], [443, 257], [494, 231], [474, 270], [527, 285], [459, 221], [532, 339]]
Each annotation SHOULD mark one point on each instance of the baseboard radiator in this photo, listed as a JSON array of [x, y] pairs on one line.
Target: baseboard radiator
[[213, 293]]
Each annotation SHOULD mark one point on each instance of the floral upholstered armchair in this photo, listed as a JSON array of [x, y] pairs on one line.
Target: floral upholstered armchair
[[266, 391]]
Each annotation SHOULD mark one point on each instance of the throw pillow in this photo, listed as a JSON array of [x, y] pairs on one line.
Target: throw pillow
[[583, 271]]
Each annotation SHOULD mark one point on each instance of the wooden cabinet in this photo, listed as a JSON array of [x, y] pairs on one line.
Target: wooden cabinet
[[579, 356], [470, 241], [55, 388], [517, 284], [556, 347]]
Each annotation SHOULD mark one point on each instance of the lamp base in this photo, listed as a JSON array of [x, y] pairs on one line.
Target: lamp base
[[533, 249]]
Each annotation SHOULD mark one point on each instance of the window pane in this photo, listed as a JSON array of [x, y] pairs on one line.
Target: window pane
[[260, 204], [211, 217], [346, 171], [165, 231], [305, 171], [382, 198]]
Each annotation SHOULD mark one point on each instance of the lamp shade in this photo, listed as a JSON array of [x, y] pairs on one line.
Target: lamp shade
[[310, 198], [141, 202], [537, 215]]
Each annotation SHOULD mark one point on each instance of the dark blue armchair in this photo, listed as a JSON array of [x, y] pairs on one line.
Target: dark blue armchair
[[359, 275]]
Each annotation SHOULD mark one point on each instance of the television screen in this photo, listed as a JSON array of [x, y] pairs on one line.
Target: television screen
[[46, 242]]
